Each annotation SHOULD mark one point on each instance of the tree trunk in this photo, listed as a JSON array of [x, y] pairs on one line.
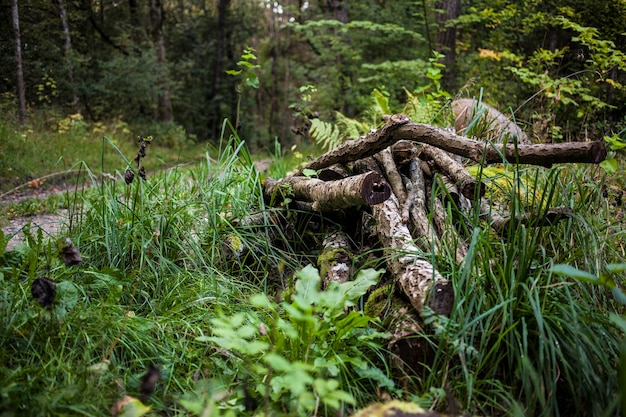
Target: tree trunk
[[339, 9], [446, 38], [222, 15], [164, 105], [21, 95], [68, 52]]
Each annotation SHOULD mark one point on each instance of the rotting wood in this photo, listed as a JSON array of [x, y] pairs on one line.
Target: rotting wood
[[427, 223], [417, 277], [365, 189], [334, 262]]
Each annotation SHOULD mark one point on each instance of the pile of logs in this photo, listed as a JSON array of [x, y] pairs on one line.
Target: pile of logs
[[385, 179]]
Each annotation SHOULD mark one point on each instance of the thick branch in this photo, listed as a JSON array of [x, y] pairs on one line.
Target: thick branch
[[467, 184], [419, 280], [399, 127], [543, 155], [363, 147]]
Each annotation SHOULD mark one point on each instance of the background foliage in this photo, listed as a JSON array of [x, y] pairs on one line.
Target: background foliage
[[560, 67]]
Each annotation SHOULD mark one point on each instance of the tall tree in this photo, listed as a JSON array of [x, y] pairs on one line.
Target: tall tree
[[222, 16], [447, 11], [68, 50], [21, 95], [164, 105]]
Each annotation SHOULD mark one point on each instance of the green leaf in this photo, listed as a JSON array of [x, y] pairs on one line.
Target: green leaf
[[277, 362], [568, 270], [308, 284], [252, 82], [309, 173], [616, 268], [132, 407], [233, 72], [609, 165], [262, 301], [361, 284]]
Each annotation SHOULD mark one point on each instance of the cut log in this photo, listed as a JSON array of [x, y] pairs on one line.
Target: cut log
[[365, 189]]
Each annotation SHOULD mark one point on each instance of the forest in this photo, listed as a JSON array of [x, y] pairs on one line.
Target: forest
[[313, 208]]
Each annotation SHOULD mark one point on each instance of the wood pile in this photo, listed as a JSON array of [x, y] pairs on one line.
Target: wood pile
[[376, 191]]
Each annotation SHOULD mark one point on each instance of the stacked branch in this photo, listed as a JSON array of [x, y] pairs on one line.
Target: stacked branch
[[386, 179]]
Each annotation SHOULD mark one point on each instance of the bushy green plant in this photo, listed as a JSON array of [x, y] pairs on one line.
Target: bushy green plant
[[304, 354]]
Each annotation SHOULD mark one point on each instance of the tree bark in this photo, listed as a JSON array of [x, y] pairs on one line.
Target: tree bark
[[447, 10], [21, 94], [399, 127], [68, 51], [334, 262], [164, 105], [417, 278], [365, 189]]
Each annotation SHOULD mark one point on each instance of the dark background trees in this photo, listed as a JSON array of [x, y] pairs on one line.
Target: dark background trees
[[165, 60]]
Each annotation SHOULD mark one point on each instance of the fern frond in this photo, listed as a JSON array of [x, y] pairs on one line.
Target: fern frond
[[351, 128], [325, 134]]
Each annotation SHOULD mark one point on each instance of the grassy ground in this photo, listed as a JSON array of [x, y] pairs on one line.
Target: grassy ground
[[45, 153], [173, 289]]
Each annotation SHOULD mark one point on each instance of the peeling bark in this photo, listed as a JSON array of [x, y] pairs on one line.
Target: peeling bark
[[417, 277], [334, 262]]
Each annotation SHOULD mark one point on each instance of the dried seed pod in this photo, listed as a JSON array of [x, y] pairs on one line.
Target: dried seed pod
[[44, 291], [129, 176], [148, 382], [68, 252], [142, 173]]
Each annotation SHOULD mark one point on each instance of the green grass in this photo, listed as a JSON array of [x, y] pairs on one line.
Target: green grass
[[172, 277], [51, 150]]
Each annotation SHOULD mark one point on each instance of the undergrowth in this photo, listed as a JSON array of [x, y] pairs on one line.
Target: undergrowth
[[179, 303]]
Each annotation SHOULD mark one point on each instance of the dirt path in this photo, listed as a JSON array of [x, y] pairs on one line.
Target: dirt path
[[50, 224]]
